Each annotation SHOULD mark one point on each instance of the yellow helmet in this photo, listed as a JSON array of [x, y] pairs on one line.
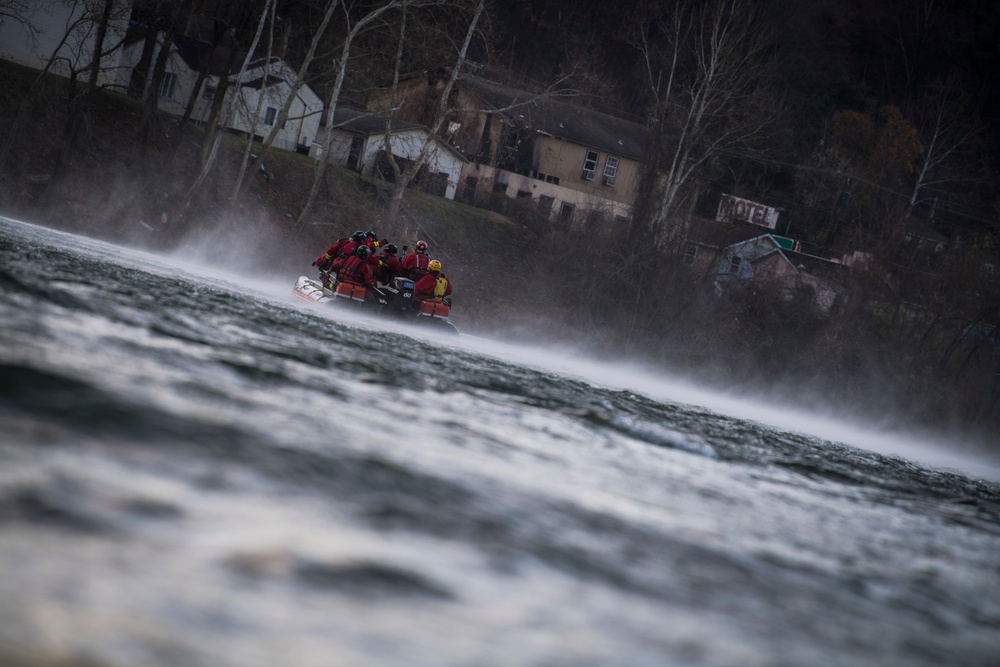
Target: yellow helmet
[[434, 265]]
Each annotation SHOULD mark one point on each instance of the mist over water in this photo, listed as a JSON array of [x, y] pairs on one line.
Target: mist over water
[[197, 469]]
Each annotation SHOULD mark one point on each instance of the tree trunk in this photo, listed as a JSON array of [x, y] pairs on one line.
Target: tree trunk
[[78, 102], [296, 86], [256, 114], [214, 146], [331, 107], [412, 169], [151, 99]]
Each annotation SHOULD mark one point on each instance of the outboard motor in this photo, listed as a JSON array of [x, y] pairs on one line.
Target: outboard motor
[[404, 297], [398, 298]]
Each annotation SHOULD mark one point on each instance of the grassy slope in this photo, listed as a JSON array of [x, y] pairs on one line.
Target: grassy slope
[[111, 190]]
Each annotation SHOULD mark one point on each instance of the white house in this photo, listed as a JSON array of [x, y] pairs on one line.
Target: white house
[[358, 142], [268, 81], [65, 31]]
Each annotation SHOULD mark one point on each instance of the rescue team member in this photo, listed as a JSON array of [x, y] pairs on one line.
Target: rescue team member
[[415, 264], [434, 286], [371, 240], [357, 240], [356, 269], [324, 261], [389, 265]]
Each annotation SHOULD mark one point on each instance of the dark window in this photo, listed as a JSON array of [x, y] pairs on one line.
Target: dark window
[[545, 204], [690, 252], [521, 194], [566, 212], [208, 92], [590, 165], [270, 115], [734, 264], [353, 155], [510, 138], [552, 179], [167, 87], [471, 183]]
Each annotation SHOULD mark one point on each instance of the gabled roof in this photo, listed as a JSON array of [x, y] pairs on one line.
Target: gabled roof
[[562, 120], [259, 81], [923, 230], [817, 266], [367, 123], [195, 53], [715, 234]]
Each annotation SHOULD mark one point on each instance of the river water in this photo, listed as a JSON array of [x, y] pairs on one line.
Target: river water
[[198, 470]]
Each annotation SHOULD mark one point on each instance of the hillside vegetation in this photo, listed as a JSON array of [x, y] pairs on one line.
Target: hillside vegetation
[[111, 191], [516, 276]]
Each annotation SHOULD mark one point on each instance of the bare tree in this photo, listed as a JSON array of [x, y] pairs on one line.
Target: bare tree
[[21, 12], [14, 132], [96, 17], [703, 65], [950, 131], [256, 114], [168, 18], [403, 177], [217, 138], [354, 28], [295, 87]]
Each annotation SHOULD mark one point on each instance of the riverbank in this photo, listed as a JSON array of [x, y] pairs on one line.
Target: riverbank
[[514, 281], [113, 188]]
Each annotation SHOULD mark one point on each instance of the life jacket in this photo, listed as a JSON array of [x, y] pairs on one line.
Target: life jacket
[[420, 262], [440, 286], [326, 259], [350, 270], [338, 248]]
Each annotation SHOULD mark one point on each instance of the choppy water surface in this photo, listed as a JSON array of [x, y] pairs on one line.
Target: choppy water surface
[[194, 473]]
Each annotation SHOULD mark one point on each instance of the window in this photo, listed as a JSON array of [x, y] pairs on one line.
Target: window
[[590, 165], [566, 212], [734, 264], [270, 115], [354, 154], [167, 87], [545, 203], [610, 170], [690, 252], [208, 92], [552, 179], [471, 183], [510, 139]]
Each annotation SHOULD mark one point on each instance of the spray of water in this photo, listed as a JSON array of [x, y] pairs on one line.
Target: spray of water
[[933, 450]]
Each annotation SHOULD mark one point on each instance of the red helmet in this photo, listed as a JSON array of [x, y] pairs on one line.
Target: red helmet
[[421, 246]]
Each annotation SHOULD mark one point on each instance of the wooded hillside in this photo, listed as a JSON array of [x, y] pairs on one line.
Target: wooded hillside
[[861, 121]]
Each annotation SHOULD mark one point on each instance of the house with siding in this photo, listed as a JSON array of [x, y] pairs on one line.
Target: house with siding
[[734, 255], [267, 81], [574, 163], [361, 141]]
